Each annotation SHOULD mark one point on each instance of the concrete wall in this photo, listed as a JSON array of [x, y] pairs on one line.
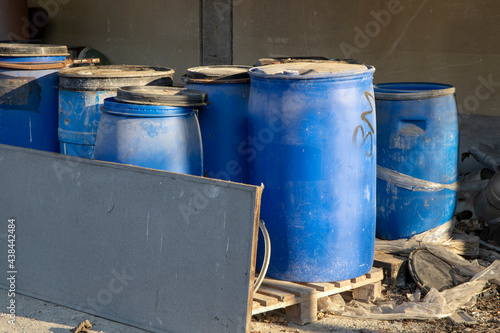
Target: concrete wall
[[449, 41], [11, 23], [146, 32]]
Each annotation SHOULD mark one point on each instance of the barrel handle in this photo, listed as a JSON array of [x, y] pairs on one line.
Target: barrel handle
[[412, 126], [267, 257], [35, 66]]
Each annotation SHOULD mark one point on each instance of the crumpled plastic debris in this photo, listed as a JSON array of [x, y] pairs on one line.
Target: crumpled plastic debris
[[435, 304]]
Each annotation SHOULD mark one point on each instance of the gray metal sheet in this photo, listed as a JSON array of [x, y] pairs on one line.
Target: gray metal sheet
[[157, 250]]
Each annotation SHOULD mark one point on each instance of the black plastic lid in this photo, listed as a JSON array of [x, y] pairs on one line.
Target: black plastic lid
[[430, 271], [218, 73], [30, 50], [155, 95]]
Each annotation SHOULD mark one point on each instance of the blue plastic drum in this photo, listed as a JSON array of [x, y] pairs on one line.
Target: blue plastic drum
[[224, 121], [314, 148], [417, 126], [152, 127], [81, 96], [28, 94]]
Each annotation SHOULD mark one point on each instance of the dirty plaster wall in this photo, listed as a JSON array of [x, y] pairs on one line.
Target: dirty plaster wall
[[448, 41], [451, 41], [146, 32]]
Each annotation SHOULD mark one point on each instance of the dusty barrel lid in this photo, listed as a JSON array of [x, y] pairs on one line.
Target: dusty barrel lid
[[169, 96], [430, 271], [217, 74], [112, 77], [284, 60], [32, 50], [397, 91], [309, 70]]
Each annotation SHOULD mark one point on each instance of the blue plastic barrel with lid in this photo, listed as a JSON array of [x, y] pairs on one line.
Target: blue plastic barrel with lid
[[417, 157], [81, 96], [28, 94], [224, 121], [152, 127], [315, 153]]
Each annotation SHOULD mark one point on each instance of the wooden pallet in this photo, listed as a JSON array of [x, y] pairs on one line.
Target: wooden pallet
[[395, 268], [300, 299]]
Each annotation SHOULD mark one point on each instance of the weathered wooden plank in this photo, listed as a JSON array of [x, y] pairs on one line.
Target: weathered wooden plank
[[375, 273], [342, 284], [265, 300], [323, 286], [302, 313], [290, 287], [282, 296], [369, 292], [394, 268]]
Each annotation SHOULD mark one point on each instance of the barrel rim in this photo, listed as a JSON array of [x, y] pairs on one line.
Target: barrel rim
[[393, 94], [159, 95], [116, 107], [208, 74], [76, 72], [321, 76], [32, 50]]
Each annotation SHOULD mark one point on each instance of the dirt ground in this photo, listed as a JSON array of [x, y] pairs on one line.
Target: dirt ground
[[34, 315]]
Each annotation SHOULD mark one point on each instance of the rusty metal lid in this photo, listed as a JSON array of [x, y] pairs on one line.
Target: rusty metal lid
[[169, 96], [32, 50], [217, 73]]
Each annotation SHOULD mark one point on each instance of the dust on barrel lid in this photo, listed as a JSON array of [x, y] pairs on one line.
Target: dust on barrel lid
[[217, 74], [112, 77], [157, 95], [32, 50], [307, 70]]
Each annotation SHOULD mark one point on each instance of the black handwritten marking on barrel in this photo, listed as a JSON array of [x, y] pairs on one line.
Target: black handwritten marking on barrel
[[28, 94], [81, 96], [314, 147], [152, 127]]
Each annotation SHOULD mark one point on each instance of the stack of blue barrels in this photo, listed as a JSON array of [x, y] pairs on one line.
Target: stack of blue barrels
[[316, 133], [82, 91], [152, 127]]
